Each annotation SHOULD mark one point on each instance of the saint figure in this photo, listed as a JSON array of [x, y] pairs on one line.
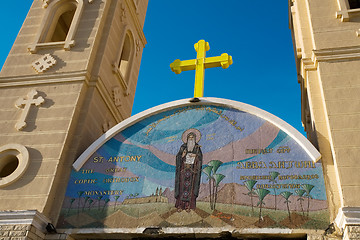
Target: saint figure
[[188, 171]]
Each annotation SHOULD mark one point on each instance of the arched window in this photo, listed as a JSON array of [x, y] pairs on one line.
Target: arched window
[[122, 67], [59, 25], [125, 57]]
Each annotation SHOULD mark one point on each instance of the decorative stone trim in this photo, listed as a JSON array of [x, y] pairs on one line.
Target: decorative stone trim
[[13, 152], [122, 233], [137, 43], [124, 80], [22, 225], [45, 3], [116, 96], [44, 63], [78, 76], [122, 13], [121, 79], [32, 217], [352, 232], [344, 53], [51, 10], [347, 216], [26, 104], [107, 125]]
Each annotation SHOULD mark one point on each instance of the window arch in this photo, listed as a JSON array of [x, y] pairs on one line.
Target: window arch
[[59, 25], [123, 64]]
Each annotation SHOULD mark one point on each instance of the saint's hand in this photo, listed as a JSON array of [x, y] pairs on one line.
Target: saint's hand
[[184, 153]]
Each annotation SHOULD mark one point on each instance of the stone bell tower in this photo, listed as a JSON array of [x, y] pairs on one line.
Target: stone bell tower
[[70, 76], [327, 49]]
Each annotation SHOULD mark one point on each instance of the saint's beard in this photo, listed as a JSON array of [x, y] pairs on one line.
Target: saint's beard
[[190, 145]]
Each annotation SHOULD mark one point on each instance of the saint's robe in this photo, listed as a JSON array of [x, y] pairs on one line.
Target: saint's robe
[[187, 178]]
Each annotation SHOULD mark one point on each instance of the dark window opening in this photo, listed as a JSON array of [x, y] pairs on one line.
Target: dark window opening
[[125, 56], [354, 4], [8, 165], [63, 26]]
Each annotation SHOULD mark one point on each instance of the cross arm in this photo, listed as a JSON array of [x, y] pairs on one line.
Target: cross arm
[[225, 60], [178, 66]]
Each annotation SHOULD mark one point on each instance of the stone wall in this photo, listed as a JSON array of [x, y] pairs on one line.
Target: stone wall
[[20, 232]]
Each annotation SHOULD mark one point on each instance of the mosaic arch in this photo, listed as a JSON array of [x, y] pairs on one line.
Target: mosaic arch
[[215, 163]]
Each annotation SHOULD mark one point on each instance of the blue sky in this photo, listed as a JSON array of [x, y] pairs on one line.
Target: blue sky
[[257, 36]]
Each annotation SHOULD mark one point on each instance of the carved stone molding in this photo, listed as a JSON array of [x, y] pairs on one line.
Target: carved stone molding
[[116, 92], [121, 79], [26, 104], [44, 63], [32, 217], [347, 216], [123, 13], [107, 125], [344, 53], [45, 3], [137, 47]]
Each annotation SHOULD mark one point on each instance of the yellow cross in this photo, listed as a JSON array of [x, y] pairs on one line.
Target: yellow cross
[[199, 64]]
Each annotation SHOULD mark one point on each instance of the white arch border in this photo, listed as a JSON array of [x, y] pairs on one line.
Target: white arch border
[[284, 126]]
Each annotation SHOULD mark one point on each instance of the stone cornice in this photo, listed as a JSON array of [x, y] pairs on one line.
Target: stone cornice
[[307, 64], [42, 79], [200, 232], [32, 217], [347, 216], [326, 55], [345, 53]]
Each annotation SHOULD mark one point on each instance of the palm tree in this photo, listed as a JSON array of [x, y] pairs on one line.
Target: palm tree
[[80, 193], [307, 188], [273, 176], [286, 195], [250, 186], [99, 199], [207, 170], [261, 193], [90, 202], [71, 202], [86, 199], [214, 180], [106, 201], [300, 193], [218, 178], [116, 198]]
